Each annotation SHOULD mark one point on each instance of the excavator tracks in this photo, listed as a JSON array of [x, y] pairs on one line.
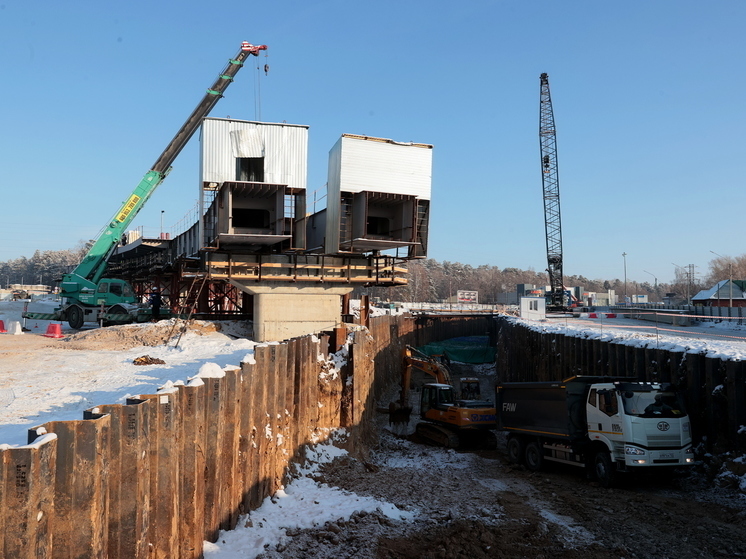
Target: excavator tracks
[[438, 435]]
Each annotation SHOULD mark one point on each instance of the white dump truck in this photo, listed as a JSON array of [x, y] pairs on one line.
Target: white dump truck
[[606, 424]]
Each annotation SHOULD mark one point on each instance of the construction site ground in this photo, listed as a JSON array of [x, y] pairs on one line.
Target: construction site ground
[[474, 503]]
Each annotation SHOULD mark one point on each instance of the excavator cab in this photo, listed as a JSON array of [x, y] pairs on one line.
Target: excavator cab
[[436, 396], [470, 388]]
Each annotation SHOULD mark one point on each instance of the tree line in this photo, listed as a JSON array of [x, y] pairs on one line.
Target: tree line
[[429, 280], [433, 281], [45, 267]]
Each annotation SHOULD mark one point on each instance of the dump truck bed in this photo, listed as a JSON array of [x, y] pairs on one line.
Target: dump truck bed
[[533, 407]]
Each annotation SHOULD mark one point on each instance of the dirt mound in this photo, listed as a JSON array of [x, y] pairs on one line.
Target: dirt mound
[[121, 337], [133, 335]]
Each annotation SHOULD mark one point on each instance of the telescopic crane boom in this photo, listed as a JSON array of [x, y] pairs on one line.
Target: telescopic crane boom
[[550, 184], [87, 296], [93, 266]]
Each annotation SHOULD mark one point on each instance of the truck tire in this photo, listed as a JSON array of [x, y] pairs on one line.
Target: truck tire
[[75, 317], [515, 449], [534, 456], [603, 468]]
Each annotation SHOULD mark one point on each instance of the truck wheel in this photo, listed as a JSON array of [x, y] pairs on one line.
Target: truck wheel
[[603, 469], [75, 317], [515, 449], [534, 456]]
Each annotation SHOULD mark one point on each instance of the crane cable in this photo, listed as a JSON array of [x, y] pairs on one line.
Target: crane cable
[[258, 89]]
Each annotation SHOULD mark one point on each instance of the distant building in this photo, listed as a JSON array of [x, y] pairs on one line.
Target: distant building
[[722, 294]]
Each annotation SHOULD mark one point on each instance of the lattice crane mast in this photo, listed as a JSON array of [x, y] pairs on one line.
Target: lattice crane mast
[[550, 184]]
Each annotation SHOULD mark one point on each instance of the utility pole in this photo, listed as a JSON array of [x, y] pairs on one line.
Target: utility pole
[[730, 281], [689, 274], [655, 287]]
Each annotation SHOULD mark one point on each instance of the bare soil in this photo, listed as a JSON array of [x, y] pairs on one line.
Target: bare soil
[[477, 504], [485, 507]]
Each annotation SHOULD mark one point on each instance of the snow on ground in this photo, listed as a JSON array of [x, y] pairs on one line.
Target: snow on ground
[[724, 340], [302, 504], [59, 384]]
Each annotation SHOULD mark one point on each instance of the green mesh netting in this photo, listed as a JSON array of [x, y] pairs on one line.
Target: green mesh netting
[[467, 349]]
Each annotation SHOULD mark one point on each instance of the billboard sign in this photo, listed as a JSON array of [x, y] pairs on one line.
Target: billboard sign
[[467, 296]]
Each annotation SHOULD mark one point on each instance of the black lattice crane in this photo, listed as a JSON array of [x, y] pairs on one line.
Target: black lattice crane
[[550, 183]]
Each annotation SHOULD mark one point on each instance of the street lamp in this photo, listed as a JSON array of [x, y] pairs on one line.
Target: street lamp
[[624, 255], [162, 212], [730, 280], [655, 287]]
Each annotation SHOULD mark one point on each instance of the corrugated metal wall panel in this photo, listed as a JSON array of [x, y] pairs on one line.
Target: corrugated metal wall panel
[[384, 166], [331, 241], [284, 146]]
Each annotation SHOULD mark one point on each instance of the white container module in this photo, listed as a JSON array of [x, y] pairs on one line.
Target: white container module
[[253, 195], [378, 194]]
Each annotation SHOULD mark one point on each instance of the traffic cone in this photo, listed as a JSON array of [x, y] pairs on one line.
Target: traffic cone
[[2, 327], [54, 331]]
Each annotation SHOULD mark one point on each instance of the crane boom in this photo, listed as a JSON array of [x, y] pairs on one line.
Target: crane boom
[[92, 267], [550, 184]]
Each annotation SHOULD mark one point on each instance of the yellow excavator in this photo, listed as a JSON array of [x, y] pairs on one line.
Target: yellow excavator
[[445, 419]]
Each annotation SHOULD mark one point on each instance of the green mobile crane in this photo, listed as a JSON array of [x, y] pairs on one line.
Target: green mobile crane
[[86, 295]]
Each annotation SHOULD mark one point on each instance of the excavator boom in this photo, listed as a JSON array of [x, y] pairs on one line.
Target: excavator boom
[[446, 420]]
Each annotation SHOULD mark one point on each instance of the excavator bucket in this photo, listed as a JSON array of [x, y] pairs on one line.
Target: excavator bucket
[[398, 414]]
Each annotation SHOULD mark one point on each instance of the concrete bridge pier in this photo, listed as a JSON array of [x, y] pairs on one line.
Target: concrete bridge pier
[[283, 311]]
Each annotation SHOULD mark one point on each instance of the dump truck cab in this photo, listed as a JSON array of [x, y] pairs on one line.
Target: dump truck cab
[[642, 424]]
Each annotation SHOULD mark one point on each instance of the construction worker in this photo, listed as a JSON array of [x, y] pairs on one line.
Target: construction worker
[[155, 304]]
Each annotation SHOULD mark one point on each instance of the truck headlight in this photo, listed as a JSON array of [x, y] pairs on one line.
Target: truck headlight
[[685, 427], [633, 450], [689, 455]]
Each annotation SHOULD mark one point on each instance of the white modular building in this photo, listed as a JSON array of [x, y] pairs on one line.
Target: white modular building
[[253, 185], [378, 198]]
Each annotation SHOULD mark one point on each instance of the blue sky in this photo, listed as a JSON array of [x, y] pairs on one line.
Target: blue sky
[[648, 102]]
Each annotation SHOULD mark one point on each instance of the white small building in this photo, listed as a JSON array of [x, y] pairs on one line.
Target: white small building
[[533, 308], [378, 198], [253, 195]]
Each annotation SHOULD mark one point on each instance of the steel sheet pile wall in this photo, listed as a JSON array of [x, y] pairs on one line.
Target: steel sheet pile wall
[[157, 476], [715, 389], [392, 333]]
